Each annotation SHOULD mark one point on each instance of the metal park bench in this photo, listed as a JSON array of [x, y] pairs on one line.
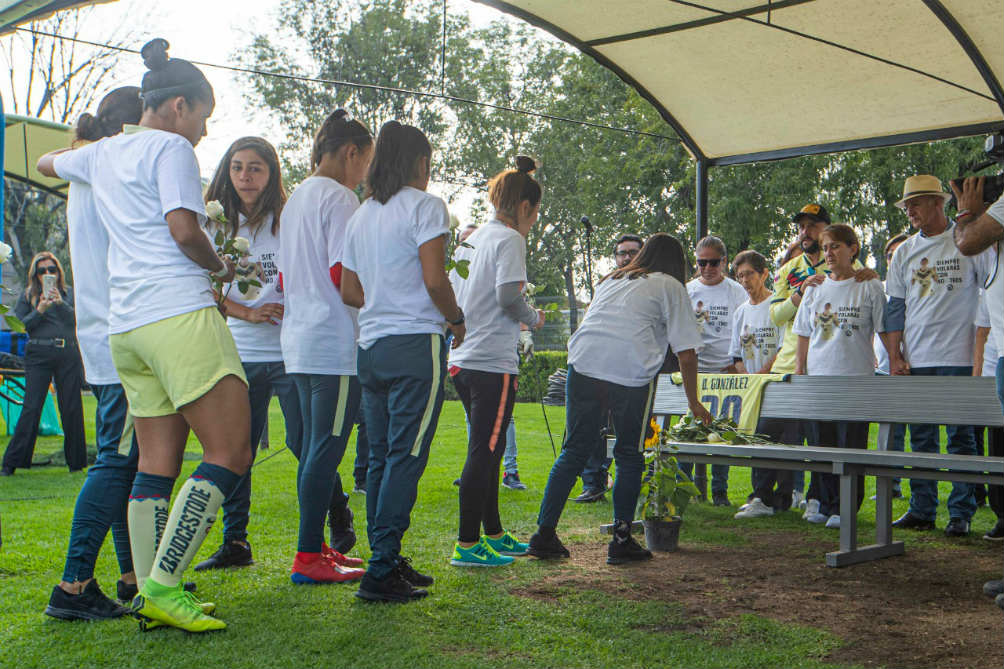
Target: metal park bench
[[878, 399]]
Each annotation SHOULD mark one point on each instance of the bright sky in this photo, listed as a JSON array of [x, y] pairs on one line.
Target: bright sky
[[210, 31]]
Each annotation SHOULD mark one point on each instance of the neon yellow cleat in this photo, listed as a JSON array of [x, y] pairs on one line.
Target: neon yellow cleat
[[164, 605]]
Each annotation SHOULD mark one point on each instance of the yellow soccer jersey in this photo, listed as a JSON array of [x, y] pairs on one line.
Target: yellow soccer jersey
[[735, 396]]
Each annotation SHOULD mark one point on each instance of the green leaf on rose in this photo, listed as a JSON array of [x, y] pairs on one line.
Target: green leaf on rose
[[220, 238], [463, 268]]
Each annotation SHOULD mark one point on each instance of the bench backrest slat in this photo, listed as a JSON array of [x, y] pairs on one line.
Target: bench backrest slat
[[935, 400]]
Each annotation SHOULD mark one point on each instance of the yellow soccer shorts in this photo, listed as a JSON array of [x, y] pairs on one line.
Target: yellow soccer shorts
[[170, 363]]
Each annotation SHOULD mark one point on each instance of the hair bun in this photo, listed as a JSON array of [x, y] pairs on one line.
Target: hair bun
[[339, 114], [154, 53], [526, 164]]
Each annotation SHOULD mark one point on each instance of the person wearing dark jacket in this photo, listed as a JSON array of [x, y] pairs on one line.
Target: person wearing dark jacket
[[51, 354]]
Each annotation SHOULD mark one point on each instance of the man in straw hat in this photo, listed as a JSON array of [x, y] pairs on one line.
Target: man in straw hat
[[933, 295], [977, 232]]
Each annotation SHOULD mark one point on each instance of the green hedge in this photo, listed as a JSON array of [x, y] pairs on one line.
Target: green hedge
[[533, 375]]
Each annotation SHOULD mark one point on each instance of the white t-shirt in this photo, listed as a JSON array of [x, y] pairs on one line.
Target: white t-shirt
[[257, 342], [714, 308], [840, 318], [498, 257], [318, 329], [382, 249], [995, 281], [755, 337], [137, 179], [939, 285], [990, 351], [628, 327], [89, 256], [881, 355]]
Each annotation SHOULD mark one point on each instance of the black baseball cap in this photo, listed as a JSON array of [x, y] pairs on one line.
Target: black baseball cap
[[816, 212]]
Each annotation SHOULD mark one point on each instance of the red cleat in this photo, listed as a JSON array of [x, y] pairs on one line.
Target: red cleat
[[315, 568], [342, 560]]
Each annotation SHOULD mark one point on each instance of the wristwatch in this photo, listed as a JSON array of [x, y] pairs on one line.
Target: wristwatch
[[460, 318]]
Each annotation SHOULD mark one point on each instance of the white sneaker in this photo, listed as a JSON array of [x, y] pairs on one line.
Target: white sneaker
[[816, 518], [833, 522], [755, 509], [797, 499], [811, 507]]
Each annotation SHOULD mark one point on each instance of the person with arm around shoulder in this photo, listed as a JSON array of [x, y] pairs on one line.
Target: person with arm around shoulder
[[835, 326], [639, 310], [170, 345], [394, 273]]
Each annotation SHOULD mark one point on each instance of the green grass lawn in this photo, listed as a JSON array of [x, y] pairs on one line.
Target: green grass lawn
[[472, 618]]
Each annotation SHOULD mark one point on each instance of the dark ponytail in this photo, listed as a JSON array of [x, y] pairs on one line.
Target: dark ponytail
[[395, 159], [508, 189], [120, 107], [338, 130], [170, 77]]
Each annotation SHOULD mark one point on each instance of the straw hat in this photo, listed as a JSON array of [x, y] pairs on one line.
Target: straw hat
[[922, 184]]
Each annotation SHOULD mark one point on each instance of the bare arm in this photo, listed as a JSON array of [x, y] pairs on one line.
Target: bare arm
[[688, 370], [432, 255], [45, 163], [976, 231], [979, 346], [192, 241], [801, 355], [266, 313], [740, 367], [767, 365], [352, 290], [898, 366]]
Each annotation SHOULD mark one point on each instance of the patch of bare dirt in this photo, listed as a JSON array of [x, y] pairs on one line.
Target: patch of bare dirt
[[922, 609]]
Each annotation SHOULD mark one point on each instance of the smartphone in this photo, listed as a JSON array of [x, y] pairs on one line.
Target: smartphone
[[48, 283]]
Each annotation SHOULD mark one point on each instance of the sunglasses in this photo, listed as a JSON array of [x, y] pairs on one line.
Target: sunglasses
[[47, 270], [709, 262]]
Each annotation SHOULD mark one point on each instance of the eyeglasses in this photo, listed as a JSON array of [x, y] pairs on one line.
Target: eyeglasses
[[626, 254], [709, 262], [47, 270]]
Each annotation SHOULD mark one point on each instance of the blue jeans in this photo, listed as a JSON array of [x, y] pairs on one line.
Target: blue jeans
[[926, 439], [402, 377], [328, 402], [104, 496], [509, 456], [264, 378], [588, 401], [1000, 381]]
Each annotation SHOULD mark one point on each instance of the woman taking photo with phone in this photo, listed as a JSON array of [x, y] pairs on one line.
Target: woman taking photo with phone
[[46, 309]]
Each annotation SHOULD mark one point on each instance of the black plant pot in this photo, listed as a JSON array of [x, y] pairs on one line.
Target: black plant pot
[[663, 535]]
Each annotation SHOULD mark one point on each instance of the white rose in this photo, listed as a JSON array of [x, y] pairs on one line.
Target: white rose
[[454, 222], [241, 245], [531, 289], [5, 252], [214, 210]]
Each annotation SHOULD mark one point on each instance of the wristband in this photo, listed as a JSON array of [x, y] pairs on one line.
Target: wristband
[[460, 318], [221, 273], [964, 212]]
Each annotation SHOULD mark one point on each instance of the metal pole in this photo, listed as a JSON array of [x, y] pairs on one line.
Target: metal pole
[[702, 198]]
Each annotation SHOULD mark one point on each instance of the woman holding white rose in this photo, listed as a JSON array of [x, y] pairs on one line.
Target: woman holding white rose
[[247, 193], [319, 342]]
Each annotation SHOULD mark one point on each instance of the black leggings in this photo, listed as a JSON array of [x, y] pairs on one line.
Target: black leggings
[[488, 399], [840, 434]]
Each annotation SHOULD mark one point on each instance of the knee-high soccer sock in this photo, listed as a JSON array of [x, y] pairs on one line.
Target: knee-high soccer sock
[[149, 503], [192, 516]]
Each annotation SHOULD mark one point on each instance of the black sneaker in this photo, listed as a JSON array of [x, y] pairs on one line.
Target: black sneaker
[[997, 533], [7, 471], [341, 530], [590, 496], [547, 548], [999, 600], [410, 574], [126, 592], [393, 588], [720, 499], [91, 604], [909, 521], [230, 554], [621, 551], [511, 481], [993, 588], [957, 528]]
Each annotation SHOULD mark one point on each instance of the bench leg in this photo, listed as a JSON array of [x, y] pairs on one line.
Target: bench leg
[[849, 552]]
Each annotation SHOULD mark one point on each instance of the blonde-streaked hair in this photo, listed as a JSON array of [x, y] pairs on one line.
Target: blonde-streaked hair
[[34, 289]]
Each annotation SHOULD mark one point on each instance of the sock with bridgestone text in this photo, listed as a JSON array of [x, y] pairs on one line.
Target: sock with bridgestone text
[[149, 503], [622, 531], [192, 516]]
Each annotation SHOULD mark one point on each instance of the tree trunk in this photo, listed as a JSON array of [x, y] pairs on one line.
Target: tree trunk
[[573, 304]]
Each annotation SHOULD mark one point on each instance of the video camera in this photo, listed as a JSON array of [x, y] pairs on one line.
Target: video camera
[[993, 185]]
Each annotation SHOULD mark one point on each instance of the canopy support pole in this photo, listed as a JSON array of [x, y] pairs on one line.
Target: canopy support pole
[[702, 198]]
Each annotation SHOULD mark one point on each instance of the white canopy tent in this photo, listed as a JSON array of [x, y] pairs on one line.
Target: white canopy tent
[[749, 80]]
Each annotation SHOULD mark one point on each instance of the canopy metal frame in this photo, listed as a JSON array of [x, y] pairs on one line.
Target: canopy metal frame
[[704, 162]]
